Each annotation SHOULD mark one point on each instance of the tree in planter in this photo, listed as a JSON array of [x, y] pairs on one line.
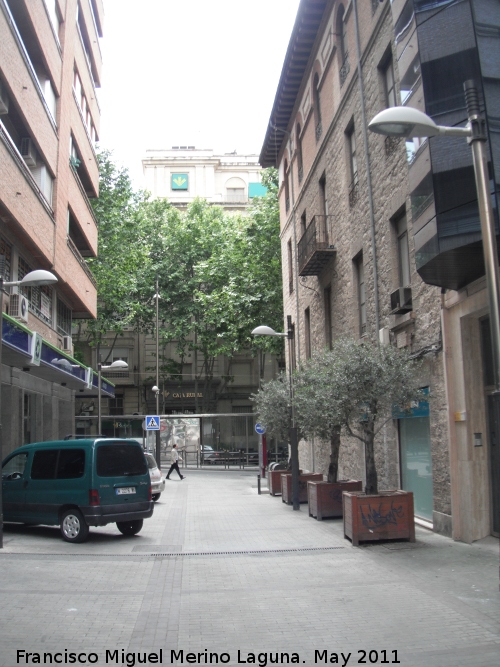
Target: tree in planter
[[370, 381], [273, 407], [317, 401]]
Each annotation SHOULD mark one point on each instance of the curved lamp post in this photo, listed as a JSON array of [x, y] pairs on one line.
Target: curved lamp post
[[118, 365], [156, 388], [409, 122], [294, 440], [32, 279]]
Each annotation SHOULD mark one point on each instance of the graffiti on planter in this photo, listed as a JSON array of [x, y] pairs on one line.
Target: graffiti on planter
[[336, 495], [374, 518]]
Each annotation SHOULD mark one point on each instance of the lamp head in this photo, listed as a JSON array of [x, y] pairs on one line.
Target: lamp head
[[155, 389], [403, 122], [264, 330], [38, 277], [119, 363], [410, 122]]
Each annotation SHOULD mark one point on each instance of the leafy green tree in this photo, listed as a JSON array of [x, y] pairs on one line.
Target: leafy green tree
[[219, 274], [123, 250]]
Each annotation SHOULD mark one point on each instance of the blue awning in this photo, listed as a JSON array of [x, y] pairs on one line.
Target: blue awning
[[27, 350]]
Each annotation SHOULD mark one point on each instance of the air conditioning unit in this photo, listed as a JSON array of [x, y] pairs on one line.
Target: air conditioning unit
[[384, 336], [18, 307], [67, 344], [4, 101], [401, 301], [28, 151]]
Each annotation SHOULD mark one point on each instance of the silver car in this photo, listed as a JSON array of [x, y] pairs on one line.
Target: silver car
[[156, 475]]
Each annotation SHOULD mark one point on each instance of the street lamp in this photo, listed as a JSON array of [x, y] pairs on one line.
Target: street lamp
[[294, 440], [156, 388], [409, 122], [119, 364], [32, 279]]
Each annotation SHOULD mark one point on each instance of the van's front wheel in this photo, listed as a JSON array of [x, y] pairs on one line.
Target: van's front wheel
[[129, 527], [73, 526]]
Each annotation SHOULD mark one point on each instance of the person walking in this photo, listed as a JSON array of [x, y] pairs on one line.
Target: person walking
[[174, 457]]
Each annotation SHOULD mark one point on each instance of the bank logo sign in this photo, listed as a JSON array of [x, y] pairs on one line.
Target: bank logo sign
[[179, 181]]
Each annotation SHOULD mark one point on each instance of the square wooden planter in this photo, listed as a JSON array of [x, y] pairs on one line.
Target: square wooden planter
[[325, 498], [385, 516], [286, 486], [274, 481]]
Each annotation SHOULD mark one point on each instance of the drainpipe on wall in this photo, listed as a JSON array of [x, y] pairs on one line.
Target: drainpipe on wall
[[368, 174], [295, 247]]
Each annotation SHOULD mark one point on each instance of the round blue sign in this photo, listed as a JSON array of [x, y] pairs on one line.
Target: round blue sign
[[260, 428]]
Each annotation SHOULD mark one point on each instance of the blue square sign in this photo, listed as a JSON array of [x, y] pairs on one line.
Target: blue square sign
[[152, 423]]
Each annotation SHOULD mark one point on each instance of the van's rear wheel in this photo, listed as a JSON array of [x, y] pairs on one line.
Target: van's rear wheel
[[129, 527], [73, 526]]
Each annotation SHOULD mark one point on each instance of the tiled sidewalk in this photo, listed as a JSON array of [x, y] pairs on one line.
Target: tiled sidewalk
[[221, 569]]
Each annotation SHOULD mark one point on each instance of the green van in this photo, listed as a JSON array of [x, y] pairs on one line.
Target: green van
[[76, 484]]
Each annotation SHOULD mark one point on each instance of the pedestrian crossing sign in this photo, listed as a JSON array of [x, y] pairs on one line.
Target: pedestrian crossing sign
[[152, 423]]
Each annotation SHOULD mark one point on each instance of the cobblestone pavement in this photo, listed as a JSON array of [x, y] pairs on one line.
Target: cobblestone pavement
[[222, 570]]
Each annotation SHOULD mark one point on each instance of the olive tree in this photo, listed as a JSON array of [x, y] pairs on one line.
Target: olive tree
[[354, 388], [317, 404], [273, 407]]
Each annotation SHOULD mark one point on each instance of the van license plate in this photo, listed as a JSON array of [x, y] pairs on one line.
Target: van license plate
[[125, 490]]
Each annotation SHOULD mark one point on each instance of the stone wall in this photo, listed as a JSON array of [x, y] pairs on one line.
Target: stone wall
[[361, 228]]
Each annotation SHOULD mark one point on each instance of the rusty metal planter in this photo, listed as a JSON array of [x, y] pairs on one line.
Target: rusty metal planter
[[385, 516], [325, 498], [286, 486]]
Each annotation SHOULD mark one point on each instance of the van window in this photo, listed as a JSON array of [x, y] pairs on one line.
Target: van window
[[70, 464], [119, 460], [15, 466], [44, 464]]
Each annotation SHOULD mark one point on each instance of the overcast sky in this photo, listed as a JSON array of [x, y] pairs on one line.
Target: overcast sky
[[190, 72]]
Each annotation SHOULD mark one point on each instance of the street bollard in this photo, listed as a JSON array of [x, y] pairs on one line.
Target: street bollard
[[258, 484]]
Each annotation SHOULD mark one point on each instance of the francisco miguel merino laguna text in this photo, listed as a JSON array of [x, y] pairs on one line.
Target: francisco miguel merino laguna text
[[131, 659]]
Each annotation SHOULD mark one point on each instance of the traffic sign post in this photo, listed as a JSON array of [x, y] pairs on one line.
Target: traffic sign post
[[260, 429]]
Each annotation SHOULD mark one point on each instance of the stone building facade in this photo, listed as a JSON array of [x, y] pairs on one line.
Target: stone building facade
[[348, 238], [50, 69], [184, 172]]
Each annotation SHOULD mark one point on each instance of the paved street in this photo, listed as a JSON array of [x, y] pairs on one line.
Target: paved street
[[220, 569]]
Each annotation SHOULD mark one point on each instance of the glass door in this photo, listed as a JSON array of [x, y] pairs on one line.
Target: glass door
[[416, 463]]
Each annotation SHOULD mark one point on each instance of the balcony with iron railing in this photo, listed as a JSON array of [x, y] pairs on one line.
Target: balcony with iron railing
[[354, 190], [76, 253], [316, 246], [345, 69], [319, 130]]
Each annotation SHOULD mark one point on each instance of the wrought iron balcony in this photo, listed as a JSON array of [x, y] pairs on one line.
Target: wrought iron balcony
[[345, 69], [319, 130], [316, 246], [354, 190]]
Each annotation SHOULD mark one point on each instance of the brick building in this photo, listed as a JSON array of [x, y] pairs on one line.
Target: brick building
[[50, 68], [358, 258]]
